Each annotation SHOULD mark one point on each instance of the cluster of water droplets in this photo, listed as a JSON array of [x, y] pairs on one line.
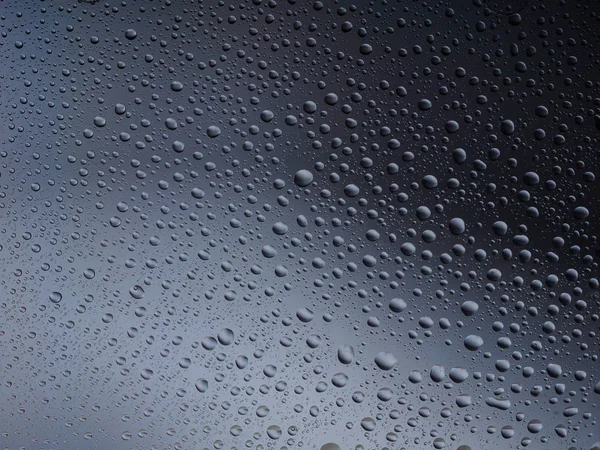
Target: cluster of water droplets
[[299, 224]]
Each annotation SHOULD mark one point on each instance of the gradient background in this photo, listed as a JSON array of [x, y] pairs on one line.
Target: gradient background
[[124, 256]]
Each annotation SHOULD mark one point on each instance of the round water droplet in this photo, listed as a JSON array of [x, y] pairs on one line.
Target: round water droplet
[[201, 385], [385, 360], [303, 178]]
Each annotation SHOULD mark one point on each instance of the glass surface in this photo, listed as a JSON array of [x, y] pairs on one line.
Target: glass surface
[[299, 225]]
